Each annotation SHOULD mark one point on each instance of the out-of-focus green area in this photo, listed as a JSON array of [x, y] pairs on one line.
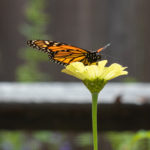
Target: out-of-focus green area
[[33, 28], [139, 140], [47, 140]]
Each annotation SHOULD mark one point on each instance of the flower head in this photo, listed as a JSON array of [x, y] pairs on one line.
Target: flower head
[[95, 74]]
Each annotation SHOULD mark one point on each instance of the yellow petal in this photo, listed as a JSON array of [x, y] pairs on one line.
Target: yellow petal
[[75, 69], [113, 71], [90, 72], [101, 67]]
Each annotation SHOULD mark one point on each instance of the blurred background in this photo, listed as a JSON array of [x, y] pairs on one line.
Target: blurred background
[[89, 24]]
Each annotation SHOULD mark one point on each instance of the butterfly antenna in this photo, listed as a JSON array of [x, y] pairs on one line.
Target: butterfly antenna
[[103, 48]]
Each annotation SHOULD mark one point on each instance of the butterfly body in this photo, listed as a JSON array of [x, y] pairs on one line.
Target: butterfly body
[[65, 54]]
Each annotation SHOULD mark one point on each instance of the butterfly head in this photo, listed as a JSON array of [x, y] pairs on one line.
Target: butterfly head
[[98, 56], [93, 57]]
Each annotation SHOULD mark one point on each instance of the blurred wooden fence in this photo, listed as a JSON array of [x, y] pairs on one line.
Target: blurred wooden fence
[[85, 23], [67, 107]]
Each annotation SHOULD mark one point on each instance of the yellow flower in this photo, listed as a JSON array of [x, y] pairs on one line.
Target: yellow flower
[[95, 74]]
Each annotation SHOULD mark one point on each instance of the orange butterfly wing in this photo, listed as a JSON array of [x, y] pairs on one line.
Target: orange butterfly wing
[[61, 53]]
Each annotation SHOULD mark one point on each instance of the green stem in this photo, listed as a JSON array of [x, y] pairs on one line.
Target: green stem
[[94, 119]]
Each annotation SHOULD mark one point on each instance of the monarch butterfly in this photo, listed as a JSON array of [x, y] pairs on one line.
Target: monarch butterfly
[[65, 54]]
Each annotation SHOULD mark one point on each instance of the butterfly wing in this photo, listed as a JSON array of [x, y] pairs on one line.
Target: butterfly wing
[[60, 53]]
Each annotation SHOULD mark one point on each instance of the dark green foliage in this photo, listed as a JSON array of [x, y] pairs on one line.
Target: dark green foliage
[[34, 28]]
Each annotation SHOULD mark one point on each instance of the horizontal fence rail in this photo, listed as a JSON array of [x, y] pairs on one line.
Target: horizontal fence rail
[[67, 106]]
